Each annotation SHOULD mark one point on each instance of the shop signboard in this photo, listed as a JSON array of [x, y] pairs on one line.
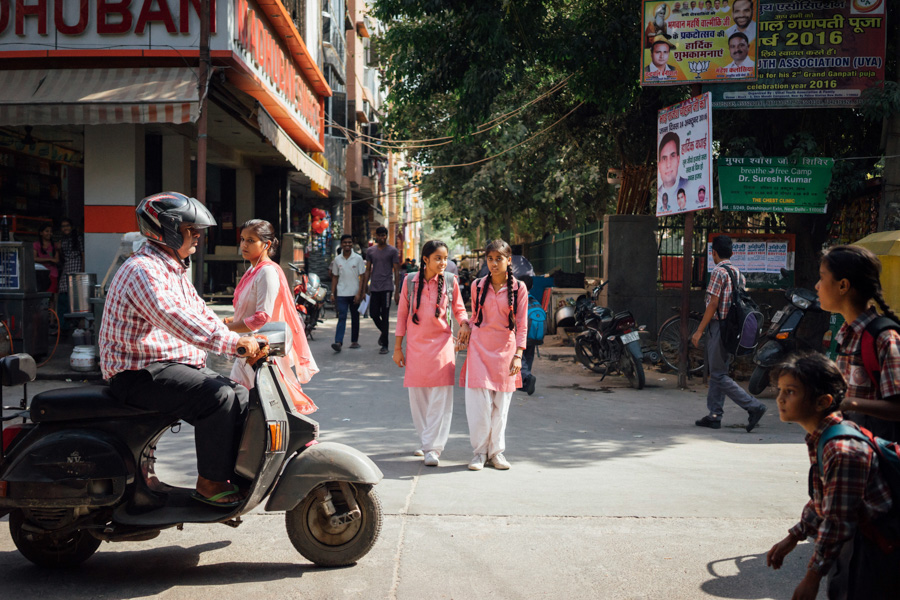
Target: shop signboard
[[813, 54], [684, 150], [698, 42], [774, 184]]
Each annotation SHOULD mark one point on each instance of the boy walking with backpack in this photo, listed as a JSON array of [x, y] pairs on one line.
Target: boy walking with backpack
[[718, 303], [853, 482], [536, 321]]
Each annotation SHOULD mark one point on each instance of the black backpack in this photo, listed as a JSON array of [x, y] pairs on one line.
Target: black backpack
[[742, 328]]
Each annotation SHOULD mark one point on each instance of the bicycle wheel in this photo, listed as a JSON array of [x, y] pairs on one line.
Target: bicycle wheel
[[669, 342]]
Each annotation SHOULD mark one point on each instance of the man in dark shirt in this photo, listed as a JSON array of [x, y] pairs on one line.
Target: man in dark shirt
[[383, 278]]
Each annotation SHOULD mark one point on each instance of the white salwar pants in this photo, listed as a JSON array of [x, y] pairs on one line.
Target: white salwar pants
[[486, 411], [432, 410]]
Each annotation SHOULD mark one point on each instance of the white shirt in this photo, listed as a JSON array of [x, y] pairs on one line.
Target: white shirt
[[750, 32], [348, 270]]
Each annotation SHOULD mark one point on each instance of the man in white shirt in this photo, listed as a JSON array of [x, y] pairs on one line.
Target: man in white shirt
[[742, 15], [347, 273], [741, 65]]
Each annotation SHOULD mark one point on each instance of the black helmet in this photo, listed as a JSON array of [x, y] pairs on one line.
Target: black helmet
[[160, 216]]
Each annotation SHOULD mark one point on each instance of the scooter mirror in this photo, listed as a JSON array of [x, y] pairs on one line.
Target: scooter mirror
[[16, 369], [279, 336]]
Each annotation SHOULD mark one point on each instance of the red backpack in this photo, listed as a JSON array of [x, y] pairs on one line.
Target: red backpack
[[869, 348]]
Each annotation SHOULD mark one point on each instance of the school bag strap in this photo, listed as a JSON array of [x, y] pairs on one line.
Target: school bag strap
[[869, 348], [838, 430], [449, 286], [735, 286]]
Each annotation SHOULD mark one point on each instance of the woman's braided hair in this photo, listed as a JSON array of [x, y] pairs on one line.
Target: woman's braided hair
[[428, 249], [862, 269], [504, 249]]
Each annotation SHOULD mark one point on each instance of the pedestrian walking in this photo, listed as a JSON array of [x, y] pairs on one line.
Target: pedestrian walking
[[848, 492], [262, 296], [718, 303], [849, 283], [382, 277], [427, 300], [347, 272], [46, 254], [493, 364], [529, 380]]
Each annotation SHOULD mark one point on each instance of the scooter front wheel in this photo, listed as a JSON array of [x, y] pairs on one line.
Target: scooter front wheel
[[759, 381], [49, 550], [341, 538]]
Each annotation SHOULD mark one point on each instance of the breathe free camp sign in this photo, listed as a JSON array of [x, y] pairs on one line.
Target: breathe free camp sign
[[774, 184]]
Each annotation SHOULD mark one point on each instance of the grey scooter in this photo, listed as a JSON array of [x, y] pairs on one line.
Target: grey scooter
[[78, 470]]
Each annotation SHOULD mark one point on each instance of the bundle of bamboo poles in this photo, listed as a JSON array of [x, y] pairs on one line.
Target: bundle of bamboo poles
[[635, 190]]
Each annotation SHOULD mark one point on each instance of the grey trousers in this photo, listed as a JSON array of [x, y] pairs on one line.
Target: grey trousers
[[720, 384]]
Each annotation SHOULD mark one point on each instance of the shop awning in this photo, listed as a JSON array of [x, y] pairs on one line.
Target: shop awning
[[98, 96], [292, 152]]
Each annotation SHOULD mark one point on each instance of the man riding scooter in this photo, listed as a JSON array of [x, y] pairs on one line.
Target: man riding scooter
[[155, 335]]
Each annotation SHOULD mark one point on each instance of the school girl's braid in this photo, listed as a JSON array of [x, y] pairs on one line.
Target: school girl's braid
[[437, 304], [883, 305], [509, 296], [415, 318], [480, 301]]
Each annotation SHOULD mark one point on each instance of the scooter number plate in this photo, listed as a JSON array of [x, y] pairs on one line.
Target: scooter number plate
[[629, 337], [777, 317]]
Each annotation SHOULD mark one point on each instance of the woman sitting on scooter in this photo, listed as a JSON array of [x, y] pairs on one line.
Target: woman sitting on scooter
[[264, 295]]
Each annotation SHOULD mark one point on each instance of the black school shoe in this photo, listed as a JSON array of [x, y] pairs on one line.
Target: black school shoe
[[529, 387], [336, 346], [709, 422], [755, 416]]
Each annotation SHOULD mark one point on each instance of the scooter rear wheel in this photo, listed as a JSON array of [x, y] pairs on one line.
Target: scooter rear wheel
[[47, 550], [759, 381], [316, 538]]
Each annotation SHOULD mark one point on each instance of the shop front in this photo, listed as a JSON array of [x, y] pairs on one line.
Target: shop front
[[98, 108]]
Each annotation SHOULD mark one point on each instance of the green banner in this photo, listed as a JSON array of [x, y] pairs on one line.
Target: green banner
[[774, 184]]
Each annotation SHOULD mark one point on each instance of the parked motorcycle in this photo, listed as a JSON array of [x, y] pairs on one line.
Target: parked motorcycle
[[611, 342], [78, 470], [799, 326], [309, 297]]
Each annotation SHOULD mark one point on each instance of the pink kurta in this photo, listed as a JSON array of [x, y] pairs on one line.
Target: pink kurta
[[261, 296], [430, 353], [492, 345]]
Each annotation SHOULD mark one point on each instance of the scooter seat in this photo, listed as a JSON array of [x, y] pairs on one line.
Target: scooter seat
[[74, 404]]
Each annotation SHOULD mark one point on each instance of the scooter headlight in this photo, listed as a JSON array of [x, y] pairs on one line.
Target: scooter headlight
[[800, 302]]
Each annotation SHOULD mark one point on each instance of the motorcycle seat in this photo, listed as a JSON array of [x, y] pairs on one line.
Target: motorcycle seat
[[74, 404]]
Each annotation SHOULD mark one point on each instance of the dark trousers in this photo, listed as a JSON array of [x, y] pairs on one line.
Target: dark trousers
[[215, 405], [380, 309], [527, 362], [345, 303]]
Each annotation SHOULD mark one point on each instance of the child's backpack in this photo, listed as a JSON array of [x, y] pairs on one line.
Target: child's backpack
[[536, 319], [869, 348], [449, 285], [887, 533], [742, 328]]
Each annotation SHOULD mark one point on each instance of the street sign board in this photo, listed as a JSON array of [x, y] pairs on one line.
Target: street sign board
[[774, 184]]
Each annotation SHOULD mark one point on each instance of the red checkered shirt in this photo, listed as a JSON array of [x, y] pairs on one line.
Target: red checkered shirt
[[720, 285], [853, 489], [850, 361], [153, 314]]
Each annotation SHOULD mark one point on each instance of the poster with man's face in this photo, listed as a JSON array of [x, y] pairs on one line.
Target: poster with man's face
[[683, 158]]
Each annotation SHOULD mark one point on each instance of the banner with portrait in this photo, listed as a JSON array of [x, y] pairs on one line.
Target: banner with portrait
[[816, 54], [699, 41], [684, 157]]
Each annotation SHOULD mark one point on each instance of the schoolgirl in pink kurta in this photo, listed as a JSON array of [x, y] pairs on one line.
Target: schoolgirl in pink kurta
[[492, 345], [430, 353]]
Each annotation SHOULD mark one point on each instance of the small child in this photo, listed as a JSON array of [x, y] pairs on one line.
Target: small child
[[852, 494], [492, 370], [430, 359]]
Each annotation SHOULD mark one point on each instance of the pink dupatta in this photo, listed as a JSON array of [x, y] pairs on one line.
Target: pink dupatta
[[300, 356]]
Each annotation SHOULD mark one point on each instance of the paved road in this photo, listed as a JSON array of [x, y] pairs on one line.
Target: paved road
[[613, 494]]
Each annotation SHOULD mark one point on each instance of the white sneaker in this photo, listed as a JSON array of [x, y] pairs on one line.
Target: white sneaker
[[477, 462], [499, 461], [431, 459], [419, 452]]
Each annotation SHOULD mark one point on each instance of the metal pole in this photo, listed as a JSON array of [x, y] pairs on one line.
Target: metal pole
[[686, 272], [202, 85]]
